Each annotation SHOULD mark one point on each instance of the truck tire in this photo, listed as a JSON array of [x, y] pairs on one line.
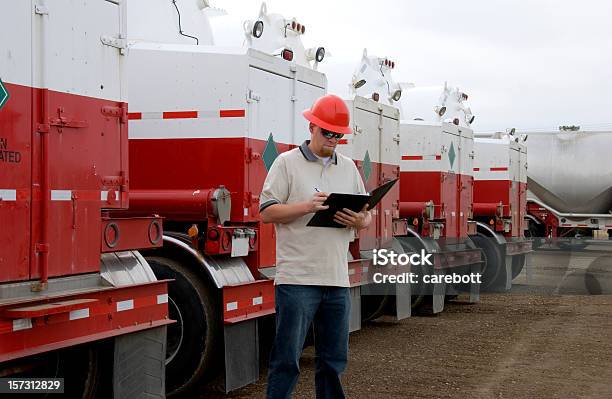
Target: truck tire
[[536, 233], [373, 306], [193, 341], [518, 261], [88, 384], [80, 365], [493, 273]]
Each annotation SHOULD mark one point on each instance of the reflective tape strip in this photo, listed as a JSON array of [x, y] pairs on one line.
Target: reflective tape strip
[[22, 324], [231, 306], [162, 298], [61, 195], [79, 314], [258, 300], [8, 195], [125, 305], [151, 115], [208, 114], [501, 169], [181, 115], [231, 113], [421, 157], [191, 114], [104, 195]]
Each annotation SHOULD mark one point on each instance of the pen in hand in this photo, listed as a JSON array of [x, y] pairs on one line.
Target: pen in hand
[[316, 203]]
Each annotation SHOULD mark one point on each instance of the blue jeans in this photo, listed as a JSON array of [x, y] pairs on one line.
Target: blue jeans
[[297, 306]]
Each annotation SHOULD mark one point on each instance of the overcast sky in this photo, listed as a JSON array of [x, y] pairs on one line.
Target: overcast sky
[[532, 65]]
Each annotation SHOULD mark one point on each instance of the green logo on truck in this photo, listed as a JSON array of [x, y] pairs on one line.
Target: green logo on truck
[[367, 166], [451, 155], [270, 153], [4, 94]]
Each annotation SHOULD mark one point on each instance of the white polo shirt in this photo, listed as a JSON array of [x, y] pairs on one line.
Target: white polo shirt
[[310, 255]]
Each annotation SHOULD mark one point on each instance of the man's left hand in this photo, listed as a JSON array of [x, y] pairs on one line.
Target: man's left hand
[[356, 220]]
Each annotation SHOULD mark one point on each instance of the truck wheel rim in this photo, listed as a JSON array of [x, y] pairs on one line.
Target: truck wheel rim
[[175, 331]]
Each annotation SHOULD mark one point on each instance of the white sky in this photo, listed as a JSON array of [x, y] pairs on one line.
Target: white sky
[[533, 65]]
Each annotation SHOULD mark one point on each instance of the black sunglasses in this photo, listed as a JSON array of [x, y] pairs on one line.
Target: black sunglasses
[[328, 135]]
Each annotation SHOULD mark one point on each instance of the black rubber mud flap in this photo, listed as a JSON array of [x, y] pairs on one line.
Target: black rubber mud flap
[[475, 286], [241, 341], [139, 365], [403, 301], [355, 315]]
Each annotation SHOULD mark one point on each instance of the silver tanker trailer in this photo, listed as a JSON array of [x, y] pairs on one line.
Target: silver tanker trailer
[[569, 183]]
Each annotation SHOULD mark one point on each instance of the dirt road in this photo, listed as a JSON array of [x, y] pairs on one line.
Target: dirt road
[[525, 344]]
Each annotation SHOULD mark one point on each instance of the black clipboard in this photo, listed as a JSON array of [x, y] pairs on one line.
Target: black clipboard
[[379, 192], [354, 202]]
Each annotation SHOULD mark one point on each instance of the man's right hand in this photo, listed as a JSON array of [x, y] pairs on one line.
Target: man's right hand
[[316, 203], [287, 213]]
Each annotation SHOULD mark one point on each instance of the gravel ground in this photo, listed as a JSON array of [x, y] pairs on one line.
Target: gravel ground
[[525, 344]]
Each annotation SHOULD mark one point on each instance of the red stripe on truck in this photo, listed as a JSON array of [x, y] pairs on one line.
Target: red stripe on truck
[[180, 114], [231, 113]]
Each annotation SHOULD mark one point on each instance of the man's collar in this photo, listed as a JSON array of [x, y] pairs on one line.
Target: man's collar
[[310, 156]]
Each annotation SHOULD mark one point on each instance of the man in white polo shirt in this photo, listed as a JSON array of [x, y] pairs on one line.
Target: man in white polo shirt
[[312, 284]]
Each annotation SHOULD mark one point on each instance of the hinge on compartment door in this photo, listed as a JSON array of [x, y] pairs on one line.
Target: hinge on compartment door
[[252, 96], [248, 199], [42, 128], [118, 43], [115, 112], [250, 155], [41, 9], [114, 181]]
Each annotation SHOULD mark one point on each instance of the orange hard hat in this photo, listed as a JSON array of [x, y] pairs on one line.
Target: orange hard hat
[[330, 113]]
